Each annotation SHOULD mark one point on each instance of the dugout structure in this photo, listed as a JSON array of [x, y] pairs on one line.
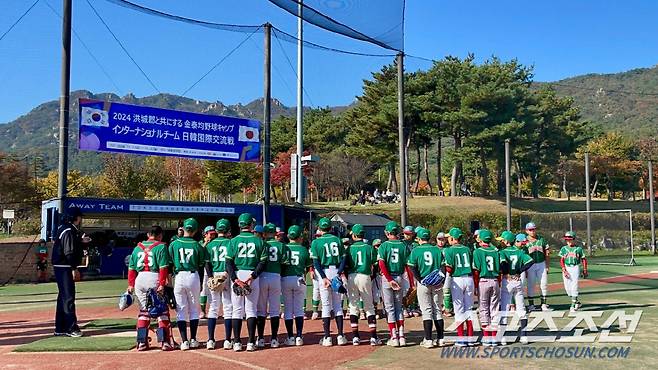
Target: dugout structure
[[612, 233], [116, 225]]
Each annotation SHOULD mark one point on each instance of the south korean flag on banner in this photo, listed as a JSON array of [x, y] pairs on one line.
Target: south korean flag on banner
[[248, 134], [94, 117]]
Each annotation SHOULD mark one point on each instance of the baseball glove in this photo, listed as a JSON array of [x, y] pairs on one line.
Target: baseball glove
[[244, 290], [410, 298], [170, 297], [337, 285], [216, 283], [435, 278]]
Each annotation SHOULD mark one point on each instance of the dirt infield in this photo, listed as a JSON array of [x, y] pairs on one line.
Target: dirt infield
[[18, 328]]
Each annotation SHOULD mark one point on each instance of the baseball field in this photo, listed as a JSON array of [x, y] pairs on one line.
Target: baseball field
[[27, 311]]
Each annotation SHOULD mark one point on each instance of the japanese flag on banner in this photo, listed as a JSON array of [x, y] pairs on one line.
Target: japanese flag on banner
[[248, 134], [94, 117]]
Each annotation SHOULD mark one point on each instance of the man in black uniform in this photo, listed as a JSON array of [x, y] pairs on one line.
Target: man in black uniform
[[67, 256]]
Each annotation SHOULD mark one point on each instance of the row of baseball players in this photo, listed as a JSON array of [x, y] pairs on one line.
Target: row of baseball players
[[260, 270]]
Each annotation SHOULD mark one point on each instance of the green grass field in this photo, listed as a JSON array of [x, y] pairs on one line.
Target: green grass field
[[85, 344]]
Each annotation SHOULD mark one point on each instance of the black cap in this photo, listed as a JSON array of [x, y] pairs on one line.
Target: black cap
[[73, 213]]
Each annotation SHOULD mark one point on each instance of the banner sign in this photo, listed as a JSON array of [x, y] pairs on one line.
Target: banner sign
[[124, 128]]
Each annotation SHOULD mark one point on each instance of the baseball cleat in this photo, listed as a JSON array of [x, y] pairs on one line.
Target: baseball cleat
[[185, 346], [274, 343], [299, 341], [503, 341], [142, 347], [315, 315], [441, 342], [403, 342], [290, 341], [327, 342], [76, 333], [260, 343], [341, 340], [375, 342], [531, 308], [393, 342], [210, 344], [251, 347], [194, 344], [362, 316], [524, 340], [228, 344], [166, 347], [237, 346], [578, 305], [356, 341], [427, 343], [406, 313], [544, 307]]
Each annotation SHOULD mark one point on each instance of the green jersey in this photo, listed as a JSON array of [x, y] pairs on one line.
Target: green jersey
[[572, 255], [537, 249], [216, 252], [487, 261], [515, 258], [426, 258], [394, 253], [361, 257], [328, 249], [246, 250], [149, 256], [187, 255], [42, 250], [458, 258], [410, 245], [297, 260], [276, 252]]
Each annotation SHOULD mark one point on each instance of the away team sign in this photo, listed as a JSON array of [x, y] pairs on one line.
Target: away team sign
[[124, 128]]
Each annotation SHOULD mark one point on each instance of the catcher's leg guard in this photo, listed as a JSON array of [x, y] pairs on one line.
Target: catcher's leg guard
[[143, 323], [164, 327]]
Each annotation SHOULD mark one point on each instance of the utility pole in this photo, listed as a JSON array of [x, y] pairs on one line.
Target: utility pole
[[652, 213], [588, 205], [65, 88], [404, 186], [300, 105], [267, 112], [508, 199]]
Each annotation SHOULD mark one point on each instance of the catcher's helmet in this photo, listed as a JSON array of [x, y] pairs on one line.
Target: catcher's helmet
[[156, 304], [125, 301]]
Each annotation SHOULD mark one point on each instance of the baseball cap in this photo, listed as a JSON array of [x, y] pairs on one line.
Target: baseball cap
[[190, 224], [223, 225], [324, 224], [392, 227], [259, 229], [73, 212], [521, 238], [408, 230], [270, 227], [456, 233], [376, 242], [423, 234], [530, 226], [358, 230], [476, 232], [507, 236], [245, 220], [485, 235], [294, 232], [209, 229], [440, 235], [569, 235]]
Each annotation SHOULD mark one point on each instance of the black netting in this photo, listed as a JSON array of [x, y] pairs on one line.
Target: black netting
[[217, 26], [380, 22]]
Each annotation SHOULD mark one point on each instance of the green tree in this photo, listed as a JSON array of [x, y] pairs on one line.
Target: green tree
[[227, 178], [122, 177]]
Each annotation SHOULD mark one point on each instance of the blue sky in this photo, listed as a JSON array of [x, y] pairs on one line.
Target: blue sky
[[561, 38]]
